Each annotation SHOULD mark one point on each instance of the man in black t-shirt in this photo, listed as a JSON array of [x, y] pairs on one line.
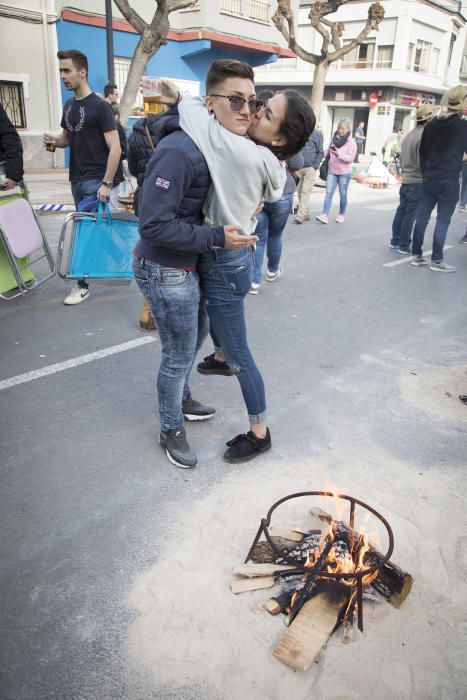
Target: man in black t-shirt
[[89, 129]]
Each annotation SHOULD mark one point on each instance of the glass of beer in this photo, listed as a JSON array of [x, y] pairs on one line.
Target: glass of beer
[[50, 146], [151, 92]]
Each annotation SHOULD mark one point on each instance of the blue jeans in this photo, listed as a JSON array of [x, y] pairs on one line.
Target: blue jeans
[[409, 196], [80, 189], [271, 224], [182, 325], [225, 277], [331, 183], [443, 193]]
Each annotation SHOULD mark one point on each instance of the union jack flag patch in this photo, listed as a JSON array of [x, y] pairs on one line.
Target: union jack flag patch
[[162, 183]]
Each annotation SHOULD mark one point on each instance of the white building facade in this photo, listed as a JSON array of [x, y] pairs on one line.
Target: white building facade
[[415, 57]]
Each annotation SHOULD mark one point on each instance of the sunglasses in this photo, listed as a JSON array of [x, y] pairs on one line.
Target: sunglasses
[[236, 103]]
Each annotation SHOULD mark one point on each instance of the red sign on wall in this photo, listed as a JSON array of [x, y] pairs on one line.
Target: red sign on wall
[[373, 99]]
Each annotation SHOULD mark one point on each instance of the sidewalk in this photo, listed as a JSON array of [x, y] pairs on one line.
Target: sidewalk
[[48, 186]]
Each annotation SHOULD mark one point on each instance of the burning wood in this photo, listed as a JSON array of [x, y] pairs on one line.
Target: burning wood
[[325, 573]]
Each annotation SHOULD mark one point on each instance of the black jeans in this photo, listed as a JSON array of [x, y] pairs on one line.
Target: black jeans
[[410, 196], [444, 193]]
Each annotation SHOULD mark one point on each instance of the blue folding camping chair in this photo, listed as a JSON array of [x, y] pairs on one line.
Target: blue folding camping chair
[[98, 246]]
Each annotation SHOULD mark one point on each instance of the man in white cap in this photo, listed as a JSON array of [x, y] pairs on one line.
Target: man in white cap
[[411, 189], [442, 148]]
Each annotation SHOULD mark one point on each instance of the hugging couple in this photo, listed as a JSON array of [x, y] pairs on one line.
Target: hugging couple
[[220, 157]]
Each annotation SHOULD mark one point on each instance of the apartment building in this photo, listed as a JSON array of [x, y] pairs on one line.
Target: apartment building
[[417, 54], [31, 32]]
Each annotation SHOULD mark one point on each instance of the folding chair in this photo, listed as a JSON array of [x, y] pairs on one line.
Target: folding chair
[[21, 235], [98, 246]]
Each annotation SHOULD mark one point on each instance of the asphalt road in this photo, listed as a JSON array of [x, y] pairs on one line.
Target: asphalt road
[[88, 498]]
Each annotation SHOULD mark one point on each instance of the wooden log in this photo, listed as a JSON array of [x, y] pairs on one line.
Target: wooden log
[[280, 603], [392, 583], [252, 584], [309, 631], [263, 552], [291, 535], [254, 570]]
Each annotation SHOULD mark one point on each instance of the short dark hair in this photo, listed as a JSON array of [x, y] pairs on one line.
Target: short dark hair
[[109, 88], [265, 95], [78, 59], [225, 68], [297, 125]]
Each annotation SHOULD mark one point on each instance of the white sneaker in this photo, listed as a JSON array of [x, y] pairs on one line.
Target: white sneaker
[[442, 267], [76, 296], [254, 289], [272, 276]]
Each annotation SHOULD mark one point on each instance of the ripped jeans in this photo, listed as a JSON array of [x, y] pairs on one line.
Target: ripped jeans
[[225, 278]]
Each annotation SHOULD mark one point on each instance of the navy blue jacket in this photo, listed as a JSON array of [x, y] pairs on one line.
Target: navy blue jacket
[[442, 148], [176, 183]]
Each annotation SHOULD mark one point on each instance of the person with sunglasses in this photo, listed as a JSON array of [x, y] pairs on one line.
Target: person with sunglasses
[[172, 236], [244, 171]]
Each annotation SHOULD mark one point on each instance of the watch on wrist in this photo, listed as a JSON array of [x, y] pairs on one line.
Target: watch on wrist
[[107, 183]]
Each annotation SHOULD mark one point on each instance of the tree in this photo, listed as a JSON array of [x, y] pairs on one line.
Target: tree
[[331, 31], [152, 37]]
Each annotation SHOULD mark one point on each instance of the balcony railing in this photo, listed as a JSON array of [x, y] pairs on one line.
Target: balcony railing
[[259, 10]]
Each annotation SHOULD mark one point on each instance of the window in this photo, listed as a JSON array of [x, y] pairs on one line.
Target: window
[[361, 56], [385, 56], [418, 58], [12, 100], [232, 7], [259, 10], [121, 69]]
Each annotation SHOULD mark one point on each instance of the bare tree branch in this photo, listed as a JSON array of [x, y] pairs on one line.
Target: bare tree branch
[[152, 37], [131, 15], [331, 32]]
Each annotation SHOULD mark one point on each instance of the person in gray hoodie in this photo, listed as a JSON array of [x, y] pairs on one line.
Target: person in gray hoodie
[[312, 156], [412, 184]]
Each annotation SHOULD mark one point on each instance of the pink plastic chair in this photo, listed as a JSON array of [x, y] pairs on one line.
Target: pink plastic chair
[[22, 235]]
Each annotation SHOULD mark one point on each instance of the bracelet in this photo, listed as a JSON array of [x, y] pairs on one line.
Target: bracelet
[[107, 183]]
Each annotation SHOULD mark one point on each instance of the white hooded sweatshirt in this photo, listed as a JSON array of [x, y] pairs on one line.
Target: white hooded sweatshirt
[[242, 173]]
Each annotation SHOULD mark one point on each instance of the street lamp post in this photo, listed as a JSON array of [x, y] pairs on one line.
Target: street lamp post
[[110, 41]]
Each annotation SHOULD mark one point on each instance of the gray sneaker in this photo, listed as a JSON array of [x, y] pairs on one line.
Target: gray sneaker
[[418, 260], [194, 410], [463, 239], [442, 267], [177, 448]]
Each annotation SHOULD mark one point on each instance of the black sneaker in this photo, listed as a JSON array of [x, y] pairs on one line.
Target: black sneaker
[[177, 448], [194, 410], [212, 366], [463, 239], [245, 447]]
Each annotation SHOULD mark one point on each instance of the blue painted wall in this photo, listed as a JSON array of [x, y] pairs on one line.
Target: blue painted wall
[[187, 60]]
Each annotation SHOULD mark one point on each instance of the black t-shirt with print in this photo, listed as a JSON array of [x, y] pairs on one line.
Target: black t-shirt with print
[[86, 121]]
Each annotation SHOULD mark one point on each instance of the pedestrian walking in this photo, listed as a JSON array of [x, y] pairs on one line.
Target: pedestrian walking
[[312, 157], [11, 153], [272, 220], [463, 186], [442, 148], [341, 154], [359, 140], [89, 129], [411, 189]]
